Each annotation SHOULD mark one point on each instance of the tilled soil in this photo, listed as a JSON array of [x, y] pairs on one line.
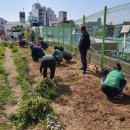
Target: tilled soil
[[82, 105]]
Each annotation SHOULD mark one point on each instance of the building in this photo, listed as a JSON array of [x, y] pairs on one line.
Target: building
[[2, 27], [53, 23], [22, 17], [51, 17], [37, 15], [2, 23], [40, 15], [97, 24], [62, 16]]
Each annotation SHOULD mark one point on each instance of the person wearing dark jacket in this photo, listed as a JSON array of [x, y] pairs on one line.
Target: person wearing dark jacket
[[84, 45], [37, 52], [48, 61]]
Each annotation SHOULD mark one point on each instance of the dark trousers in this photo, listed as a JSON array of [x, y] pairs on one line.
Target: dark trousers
[[51, 65], [67, 58], [83, 55], [23, 43], [110, 91]]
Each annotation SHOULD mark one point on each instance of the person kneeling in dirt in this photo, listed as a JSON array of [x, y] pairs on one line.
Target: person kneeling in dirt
[[48, 61], [37, 52], [58, 54], [113, 83], [66, 54]]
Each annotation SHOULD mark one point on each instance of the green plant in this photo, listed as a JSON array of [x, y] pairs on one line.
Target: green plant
[[47, 89], [14, 49], [5, 88], [22, 75], [30, 112]]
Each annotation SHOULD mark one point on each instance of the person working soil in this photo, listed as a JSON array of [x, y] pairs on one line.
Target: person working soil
[[37, 52], [32, 36], [48, 61], [58, 54], [84, 45], [113, 83], [66, 54], [43, 44]]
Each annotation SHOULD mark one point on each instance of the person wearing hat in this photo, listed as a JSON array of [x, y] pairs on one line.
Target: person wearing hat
[[113, 83]]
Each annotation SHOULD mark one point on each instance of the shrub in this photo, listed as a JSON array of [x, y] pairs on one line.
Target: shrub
[[47, 89], [31, 112]]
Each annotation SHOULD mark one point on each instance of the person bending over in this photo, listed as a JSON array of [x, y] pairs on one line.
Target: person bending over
[[43, 44], [37, 52], [48, 61], [58, 54], [66, 54]]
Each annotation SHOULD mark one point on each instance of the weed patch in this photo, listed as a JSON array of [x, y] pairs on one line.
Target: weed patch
[[47, 89], [31, 112]]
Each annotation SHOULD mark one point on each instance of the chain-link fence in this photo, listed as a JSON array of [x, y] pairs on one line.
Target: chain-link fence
[[112, 24], [108, 29]]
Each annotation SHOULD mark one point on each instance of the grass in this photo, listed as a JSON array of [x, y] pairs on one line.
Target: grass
[[36, 105], [22, 74], [5, 88]]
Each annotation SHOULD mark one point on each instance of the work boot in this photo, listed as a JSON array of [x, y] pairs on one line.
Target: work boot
[[84, 72]]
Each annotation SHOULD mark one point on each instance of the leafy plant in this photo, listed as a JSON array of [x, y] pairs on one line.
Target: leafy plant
[[14, 49], [31, 112], [5, 88], [47, 89]]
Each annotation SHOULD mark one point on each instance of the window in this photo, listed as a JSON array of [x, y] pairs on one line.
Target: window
[[22, 15], [64, 18]]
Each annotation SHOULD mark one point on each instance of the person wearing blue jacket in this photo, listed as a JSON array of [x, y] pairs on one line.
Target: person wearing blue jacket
[[37, 52]]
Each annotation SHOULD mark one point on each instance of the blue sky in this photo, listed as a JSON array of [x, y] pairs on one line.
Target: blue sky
[[9, 9]]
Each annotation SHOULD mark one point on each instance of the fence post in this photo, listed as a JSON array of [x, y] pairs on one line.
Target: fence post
[[46, 34], [103, 38], [53, 35], [83, 20], [58, 34], [71, 38], [63, 32]]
